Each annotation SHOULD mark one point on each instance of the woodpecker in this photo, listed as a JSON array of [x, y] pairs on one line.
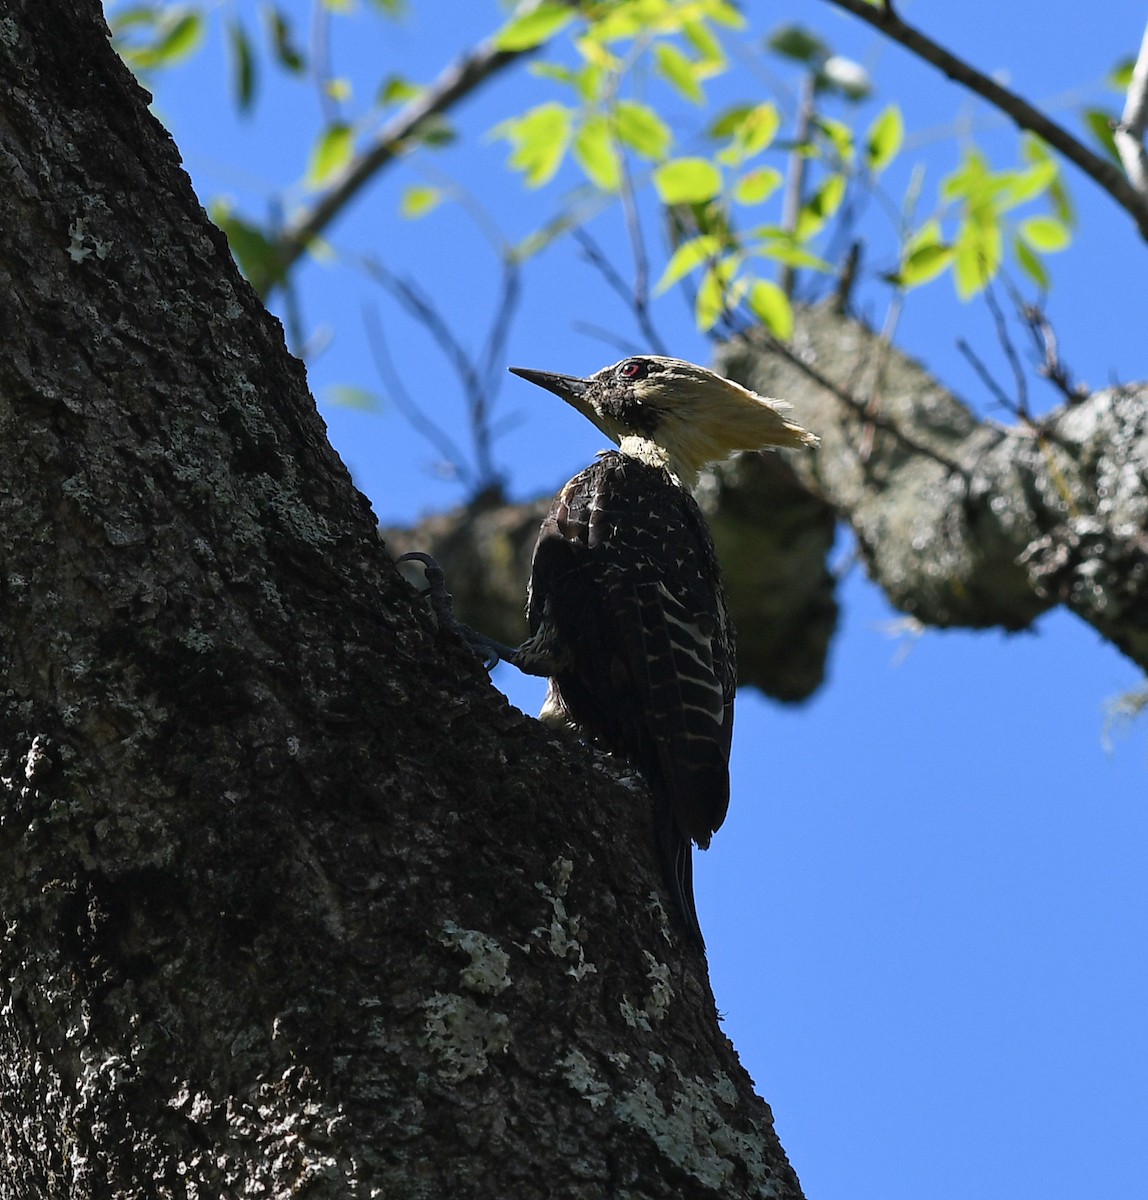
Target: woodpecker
[[626, 608]]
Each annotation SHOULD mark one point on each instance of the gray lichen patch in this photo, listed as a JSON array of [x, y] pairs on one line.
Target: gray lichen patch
[[462, 1035], [487, 971]]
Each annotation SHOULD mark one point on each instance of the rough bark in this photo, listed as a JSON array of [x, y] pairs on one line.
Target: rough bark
[[964, 521], [961, 521], [294, 903]]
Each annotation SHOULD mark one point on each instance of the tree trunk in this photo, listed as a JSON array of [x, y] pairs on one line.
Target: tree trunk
[[294, 902]]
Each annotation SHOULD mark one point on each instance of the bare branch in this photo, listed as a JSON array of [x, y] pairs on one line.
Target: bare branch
[[1024, 114], [1129, 134], [410, 409]]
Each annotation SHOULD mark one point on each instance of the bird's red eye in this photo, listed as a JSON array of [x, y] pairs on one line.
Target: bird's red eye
[[632, 368]]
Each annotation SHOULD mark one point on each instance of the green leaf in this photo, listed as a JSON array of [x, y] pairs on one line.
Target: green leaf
[[534, 27], [772, 308], [595, 153], [820, 207], [757, 186], [1031, 263], [181, 38], [418, 200], [252, 249], [348, 396], [685, 258], [330, 154], [397, 90], [640, 128], [884, 138], [539, 139], [1121, 75], [785, 250], [701, 37], [796, 42], [924, 263], [1045, 233], [679, 71], [753, 133], [687, 181], [242, 65], [839, 135], [282, 43], [710, 301], [978, 256], [1020, 186], [1100, 122]]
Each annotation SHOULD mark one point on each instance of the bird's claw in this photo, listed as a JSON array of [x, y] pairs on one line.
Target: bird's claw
[[443, 607], [440, 599]]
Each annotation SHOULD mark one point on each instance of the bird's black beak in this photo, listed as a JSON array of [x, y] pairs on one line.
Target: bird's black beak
[[569, 387]]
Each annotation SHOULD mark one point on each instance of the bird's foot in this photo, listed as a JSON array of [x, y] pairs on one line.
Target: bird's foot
[[490, 651]]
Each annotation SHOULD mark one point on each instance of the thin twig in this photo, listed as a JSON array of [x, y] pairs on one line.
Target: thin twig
[[1020, 407], [795, 175], [1002, 397], [402, 400], [856, 405], [598, 259], [1021, 112]]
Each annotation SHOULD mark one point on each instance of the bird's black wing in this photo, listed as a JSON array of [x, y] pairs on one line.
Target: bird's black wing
[[625, 582]]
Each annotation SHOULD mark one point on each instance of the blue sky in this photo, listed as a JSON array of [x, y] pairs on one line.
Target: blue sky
[[927, 913]]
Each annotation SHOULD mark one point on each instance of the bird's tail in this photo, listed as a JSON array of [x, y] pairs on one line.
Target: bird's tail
[[677, 858]]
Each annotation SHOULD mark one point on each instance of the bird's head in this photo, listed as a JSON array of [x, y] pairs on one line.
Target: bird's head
[[672, 413]]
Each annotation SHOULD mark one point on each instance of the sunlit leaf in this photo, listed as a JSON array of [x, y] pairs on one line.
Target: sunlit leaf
[[701, 37], [771, 306], [397, 90], [539, 139], [687, 181], [1121, 75], [418, 200], [330, 154], [710, 301], [685, 258], [757, 186], [884, 138], [1044, 233], [820, 207], [1100, 124], [594, 152], [977, 258], [784, 250], [348, 396], [338, 88], [180, 40], [534, 27], [752, 133], [640, 128], [679, 71], [1031, 263], [1020, 186], [925, 263]]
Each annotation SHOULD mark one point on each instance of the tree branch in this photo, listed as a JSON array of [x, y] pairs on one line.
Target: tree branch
[[1023, 113], [453, 85]]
